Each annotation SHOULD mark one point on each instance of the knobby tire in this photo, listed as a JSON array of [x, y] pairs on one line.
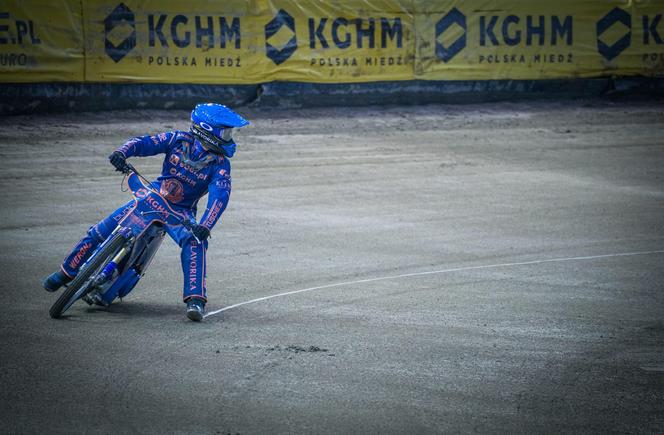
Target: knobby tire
[[92, 267]]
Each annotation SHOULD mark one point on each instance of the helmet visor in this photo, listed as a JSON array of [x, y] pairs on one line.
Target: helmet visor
[[227, 134]]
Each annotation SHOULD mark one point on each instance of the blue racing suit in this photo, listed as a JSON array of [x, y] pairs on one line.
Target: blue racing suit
[[188, 173]]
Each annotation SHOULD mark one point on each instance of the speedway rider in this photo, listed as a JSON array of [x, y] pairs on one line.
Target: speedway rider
[[196, 163]]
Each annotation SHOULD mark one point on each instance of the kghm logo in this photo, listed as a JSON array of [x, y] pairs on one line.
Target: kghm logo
[[276, 32], [614, 33], [119, 32], [453, 23]]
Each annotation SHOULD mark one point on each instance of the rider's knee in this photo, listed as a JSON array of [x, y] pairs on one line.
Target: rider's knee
[[193, 243], [204, 243]]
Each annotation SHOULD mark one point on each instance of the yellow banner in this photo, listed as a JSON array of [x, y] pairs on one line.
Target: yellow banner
[[41, 41], [257, 41], [522, 39], [248, 41]]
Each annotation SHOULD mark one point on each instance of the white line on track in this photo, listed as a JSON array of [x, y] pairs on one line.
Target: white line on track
[[433, 272]]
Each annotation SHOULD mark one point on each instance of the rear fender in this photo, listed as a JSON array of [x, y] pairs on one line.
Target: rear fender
[[136, 263], [145, 248], [122, 286]]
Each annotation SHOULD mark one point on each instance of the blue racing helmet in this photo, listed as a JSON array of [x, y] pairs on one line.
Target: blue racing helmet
[[213, 125]]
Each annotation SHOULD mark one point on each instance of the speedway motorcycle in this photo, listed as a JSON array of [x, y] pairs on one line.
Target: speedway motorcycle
[[118, 263]]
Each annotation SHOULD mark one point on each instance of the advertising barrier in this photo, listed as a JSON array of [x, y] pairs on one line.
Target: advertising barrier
[[509, 39], [249, 41], [41, 41], [259, 41]]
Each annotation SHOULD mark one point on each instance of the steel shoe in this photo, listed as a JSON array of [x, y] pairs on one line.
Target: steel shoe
[[195, 309]]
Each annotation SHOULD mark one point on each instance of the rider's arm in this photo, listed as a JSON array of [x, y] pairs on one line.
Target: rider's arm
[[219, 192], [149, 145]]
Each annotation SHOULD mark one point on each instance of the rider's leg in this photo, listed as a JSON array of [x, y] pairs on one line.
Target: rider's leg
[[193, 267], [84, 248], [194, 292]]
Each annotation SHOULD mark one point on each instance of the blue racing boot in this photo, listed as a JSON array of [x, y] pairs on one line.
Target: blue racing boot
[[55, 280], [195, 309]]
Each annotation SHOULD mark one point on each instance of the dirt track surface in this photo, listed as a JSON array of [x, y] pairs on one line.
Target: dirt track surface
[[495, 341]]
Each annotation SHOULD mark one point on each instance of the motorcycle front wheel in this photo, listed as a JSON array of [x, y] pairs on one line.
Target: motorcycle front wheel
[[82, 280]]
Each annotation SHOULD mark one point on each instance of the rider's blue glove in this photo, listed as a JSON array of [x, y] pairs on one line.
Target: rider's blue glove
[[200, 231]]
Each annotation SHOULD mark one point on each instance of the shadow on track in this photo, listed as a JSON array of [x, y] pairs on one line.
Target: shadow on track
[[139, 310]]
